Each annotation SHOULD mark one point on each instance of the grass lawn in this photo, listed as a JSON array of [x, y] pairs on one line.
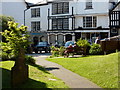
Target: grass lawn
[[38, 77], [102, 69]]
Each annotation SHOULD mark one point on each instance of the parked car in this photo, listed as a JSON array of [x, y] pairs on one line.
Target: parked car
[[68, 43], [42, 46]]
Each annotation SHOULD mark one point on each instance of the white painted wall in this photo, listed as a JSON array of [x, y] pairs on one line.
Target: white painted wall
[[103, 21], [43, 17], [15, 9], [100, 9]]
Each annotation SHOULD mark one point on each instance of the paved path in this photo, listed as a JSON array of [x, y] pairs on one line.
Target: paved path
[[71, 79]]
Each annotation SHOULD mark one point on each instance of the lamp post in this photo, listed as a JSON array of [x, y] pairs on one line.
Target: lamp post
[[24, 14]]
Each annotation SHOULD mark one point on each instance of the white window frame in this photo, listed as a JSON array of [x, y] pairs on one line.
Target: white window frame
[[35, 26], [93, 21], [35, 12]]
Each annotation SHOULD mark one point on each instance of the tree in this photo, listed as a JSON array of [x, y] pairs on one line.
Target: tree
[[4, 23], [16, 37]]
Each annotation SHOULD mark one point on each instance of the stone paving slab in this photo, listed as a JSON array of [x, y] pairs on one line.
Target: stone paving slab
[[71, 79]]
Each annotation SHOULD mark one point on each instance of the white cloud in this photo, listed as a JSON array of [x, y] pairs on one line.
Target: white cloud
[[34, 1]]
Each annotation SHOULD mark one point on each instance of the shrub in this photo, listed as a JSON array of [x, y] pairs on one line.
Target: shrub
[[56, 52], [83, 43], [4, 56], [95, 49], [29, 59], [61, 51]]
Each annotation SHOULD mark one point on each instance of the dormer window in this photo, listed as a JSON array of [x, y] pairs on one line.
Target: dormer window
[[60, 8], [88, 4]]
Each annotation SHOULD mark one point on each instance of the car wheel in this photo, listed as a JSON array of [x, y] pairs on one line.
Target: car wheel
[[36, 51], [40, 51], [46, 51]]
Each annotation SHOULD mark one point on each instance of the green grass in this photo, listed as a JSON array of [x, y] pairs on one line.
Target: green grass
[[38, 77], [102, 69]]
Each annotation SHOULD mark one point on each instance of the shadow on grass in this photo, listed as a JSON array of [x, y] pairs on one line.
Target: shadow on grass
[[44, 69], [30, 83], [6, 78], [51, 68], [39, 67]]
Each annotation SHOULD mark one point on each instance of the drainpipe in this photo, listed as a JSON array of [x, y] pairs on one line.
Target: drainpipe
[[24, 14]]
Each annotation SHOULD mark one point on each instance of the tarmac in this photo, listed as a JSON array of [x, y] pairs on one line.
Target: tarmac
[[70, 78]]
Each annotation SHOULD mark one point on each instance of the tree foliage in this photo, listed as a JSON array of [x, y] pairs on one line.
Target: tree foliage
[[83, 43], [4, 20], [3, 24], [16, 37]]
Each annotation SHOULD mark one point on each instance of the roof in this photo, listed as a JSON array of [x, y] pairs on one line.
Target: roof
[[115, 6], [47, 2]]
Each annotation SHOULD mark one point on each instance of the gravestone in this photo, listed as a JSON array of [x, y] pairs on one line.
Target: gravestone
[[19, 72]]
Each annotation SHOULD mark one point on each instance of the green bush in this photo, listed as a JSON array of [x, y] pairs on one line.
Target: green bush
[[29, 59], [4, 56], [83, 43], [95, 49], [61, 52], [56, 52]]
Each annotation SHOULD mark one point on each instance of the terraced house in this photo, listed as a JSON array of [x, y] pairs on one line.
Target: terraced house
[[63, 20]]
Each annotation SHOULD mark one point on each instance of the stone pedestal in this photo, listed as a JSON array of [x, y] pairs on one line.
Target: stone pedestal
[[19, 72]]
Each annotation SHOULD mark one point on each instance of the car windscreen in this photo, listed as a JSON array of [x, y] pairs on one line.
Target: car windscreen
[[42, 43]]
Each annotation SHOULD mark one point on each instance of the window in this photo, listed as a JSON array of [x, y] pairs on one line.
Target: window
[[35, 26], [90, 21], [60, 24], [114, 30], [54, 24], [35, 12], [66, 24], [88, 4], [60, 8]]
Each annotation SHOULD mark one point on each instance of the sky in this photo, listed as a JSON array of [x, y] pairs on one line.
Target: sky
[[35, 1]]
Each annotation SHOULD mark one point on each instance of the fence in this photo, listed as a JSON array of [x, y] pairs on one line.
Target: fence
[[110, 45]]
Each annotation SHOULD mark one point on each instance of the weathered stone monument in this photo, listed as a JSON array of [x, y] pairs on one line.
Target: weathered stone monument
[[19, 72]]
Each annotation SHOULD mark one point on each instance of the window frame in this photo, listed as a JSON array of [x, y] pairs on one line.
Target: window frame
[[116, 31], [90, 21], [35, 26], [89, 4], [60, 24], [35, 12], [60, 8]]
